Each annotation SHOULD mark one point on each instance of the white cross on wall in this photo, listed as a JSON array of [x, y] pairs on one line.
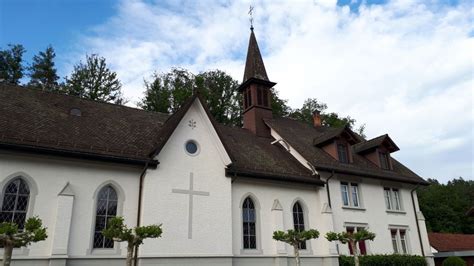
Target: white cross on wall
[[191, 193]]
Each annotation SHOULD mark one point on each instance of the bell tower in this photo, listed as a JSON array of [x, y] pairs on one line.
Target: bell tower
[[256, 91]]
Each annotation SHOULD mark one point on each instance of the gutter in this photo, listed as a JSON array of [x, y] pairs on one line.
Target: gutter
[[327, 188], [416, 219], [139, 213], [78, 154]]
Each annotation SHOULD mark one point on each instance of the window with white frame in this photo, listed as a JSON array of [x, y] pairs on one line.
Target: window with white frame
[[399, 241], [392, 199], [249, 220], [350, 194], [298, 221]]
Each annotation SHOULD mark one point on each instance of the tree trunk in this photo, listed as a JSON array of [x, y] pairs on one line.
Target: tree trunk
[[356, 253], [297, 255], [7, 254], [129, 254]]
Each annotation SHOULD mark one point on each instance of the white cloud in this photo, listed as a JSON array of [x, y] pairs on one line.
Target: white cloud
[[404, 67]]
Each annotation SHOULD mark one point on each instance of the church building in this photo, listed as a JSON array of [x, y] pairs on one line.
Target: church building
[[219, 191]]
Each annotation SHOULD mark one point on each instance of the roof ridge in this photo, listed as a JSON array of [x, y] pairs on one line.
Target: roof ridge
[[30, 88]]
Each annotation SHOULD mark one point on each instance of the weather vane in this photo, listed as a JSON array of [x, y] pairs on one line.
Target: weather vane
[[251, 17]]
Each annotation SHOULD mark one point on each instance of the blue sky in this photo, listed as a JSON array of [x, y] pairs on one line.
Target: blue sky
[[402, 67]]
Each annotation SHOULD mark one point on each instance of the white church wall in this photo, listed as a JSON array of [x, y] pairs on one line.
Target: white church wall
[[264, 194], [50, 175], [210, 233], [374, 215]]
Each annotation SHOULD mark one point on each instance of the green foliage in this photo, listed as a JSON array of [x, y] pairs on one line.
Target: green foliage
[[295, 237], [33, 232], [94, 80], [42, 71], [11, 68], [445, 205], [311, 105], [118, 231], [346, 237], [384, 260], [167, 92], [454, 261]]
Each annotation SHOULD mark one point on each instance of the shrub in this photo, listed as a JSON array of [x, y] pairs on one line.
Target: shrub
[[384, 260], [454, 261]]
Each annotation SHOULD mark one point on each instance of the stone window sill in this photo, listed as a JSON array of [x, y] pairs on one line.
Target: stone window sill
[[251, 252], [396, 212], [353, 208]]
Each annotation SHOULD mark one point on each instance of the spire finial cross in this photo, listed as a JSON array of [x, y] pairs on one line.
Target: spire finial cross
[[251, 17]]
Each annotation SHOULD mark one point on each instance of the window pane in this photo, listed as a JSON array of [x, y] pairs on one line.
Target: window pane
[[259, 95], [403, 242], [396, 199], [265, 97], [383, 157], [394, 240], [248, 226], [345, 195], [388, 203], [106, 209], [15, 202], [355, 195], [342, 153]]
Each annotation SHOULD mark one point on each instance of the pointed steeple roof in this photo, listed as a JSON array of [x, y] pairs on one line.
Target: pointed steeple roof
[[254, 67]]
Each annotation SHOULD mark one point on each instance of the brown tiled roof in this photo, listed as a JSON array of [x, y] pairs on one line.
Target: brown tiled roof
[[451, 242], [37, 120], [252, 155], [329, 133], [375, 142], [300, 136], [254, 67]]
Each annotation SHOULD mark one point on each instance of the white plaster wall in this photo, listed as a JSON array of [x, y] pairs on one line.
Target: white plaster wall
[[51, 175], [374, 214], [212, 220], [264, 194]]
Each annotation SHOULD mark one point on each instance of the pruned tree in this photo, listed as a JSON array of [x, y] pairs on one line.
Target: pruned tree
[[94, 80], [295, 238], [11, 236], [352, 239], [118, 231], [11, 68], [42, 71]]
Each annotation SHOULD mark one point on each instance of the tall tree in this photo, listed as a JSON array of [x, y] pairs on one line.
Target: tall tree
[[42, 71], [445, 205], [11, 68], [94, 80]]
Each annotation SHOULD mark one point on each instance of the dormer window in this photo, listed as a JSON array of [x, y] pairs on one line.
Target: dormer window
[[384, 160], [343, 152]]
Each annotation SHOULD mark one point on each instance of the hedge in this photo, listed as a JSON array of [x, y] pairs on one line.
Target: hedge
[[454, 261], [384, 260]]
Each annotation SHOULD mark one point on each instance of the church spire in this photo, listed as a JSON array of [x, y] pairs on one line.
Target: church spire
[[254, 67], [256, 91]]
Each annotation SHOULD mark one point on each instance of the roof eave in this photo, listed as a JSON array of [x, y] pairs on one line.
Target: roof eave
[[274, 177], [246, 83], [78, 154]]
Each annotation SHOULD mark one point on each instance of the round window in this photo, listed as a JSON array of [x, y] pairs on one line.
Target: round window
[[191, 147]]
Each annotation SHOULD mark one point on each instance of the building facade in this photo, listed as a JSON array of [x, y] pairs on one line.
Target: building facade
[[218, 191]]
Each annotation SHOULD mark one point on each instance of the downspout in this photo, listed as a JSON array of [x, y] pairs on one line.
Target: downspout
[[416, 220], [327, 188], [139, 214]]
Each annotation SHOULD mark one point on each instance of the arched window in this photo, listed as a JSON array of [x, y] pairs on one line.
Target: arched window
[[249, 220], [298, 220], [15, 202], [106, 209]]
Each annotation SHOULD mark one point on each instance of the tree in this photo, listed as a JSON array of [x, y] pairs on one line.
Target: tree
[[11, 236], [118, 231], [168, 91], [445, 205], [310, 105], [352, 239], [295, 238], [11, 68], [94, 80], [42, 71]]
